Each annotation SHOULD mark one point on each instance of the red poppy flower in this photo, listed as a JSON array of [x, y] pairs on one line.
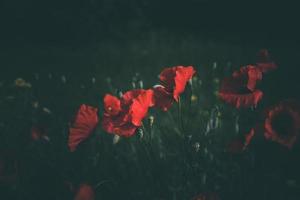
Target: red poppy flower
[[282, 123], [206, 196], [85, 122], [85, 192], [264, 62], [239, 91], [173, 82], [128, 112]]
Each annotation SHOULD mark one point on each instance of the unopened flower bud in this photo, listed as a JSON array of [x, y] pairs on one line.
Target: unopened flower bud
[[194, 98], [141, 84], [140, 133], [63, 79], [35, 104], [151, 120], [216, 80], [116, 139], [133, 85], [46, 110], [197, 146], [120, 94]]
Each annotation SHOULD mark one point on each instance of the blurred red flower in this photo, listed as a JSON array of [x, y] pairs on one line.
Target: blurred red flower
[[37, 132], [84, 124], [235, 146], [238, 145], [264, 62], [239, 90], [123, 116], [85, 192], [173, 81], [206, 196], [282, 123]]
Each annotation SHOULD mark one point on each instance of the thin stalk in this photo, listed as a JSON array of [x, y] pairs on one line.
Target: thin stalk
[[180, 115]]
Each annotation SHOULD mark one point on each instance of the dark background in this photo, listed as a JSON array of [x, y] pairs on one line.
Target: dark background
[[56, 30], [81, 39]]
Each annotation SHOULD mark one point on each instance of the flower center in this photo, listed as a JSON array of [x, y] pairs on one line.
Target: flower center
[[283, 123]]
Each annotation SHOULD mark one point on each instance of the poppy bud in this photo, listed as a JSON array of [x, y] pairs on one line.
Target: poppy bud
[[63, 79], [151, 120], [141, 84], [197, 146], [35, 104], [133, 85], [194, 98], [116, 139], [85, 192], [46, 110], [120, 94], [140, 133]]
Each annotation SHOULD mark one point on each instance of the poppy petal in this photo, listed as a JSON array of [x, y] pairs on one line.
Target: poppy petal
[[162, 98], [167, 77], [140, 105], [264, 61], [128, 97], [183, 75], [112, 104], [242, 100], [85, 122]]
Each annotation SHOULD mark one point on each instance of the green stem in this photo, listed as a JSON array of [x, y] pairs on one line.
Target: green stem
[[180, 115]]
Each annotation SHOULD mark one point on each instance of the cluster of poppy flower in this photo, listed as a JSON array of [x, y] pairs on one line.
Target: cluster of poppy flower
[[123, 116], [281, 122], [240, 89]]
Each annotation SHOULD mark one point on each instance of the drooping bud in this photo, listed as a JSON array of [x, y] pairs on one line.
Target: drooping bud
[[116, 139], [151, 120]]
